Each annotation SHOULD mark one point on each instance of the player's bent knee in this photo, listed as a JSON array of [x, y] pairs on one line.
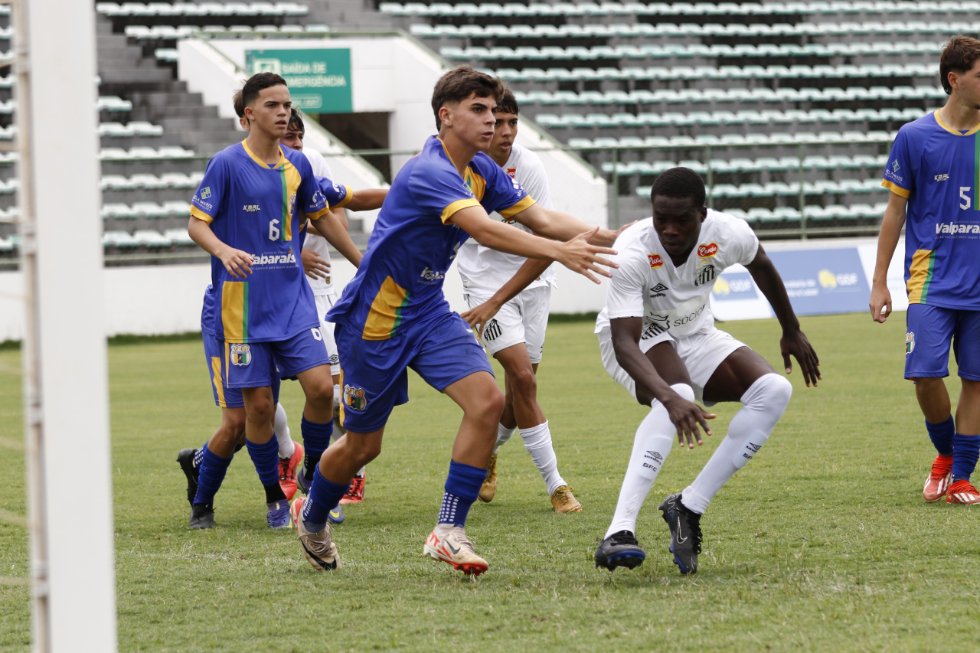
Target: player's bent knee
[[770, 390], [523, 382]]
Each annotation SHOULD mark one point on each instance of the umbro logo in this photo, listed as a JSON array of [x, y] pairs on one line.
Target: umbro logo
[[659, 290]]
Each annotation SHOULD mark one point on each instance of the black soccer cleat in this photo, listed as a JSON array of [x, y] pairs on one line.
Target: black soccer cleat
[[185, 457], [202, 516], [685, 533], [619, 550]]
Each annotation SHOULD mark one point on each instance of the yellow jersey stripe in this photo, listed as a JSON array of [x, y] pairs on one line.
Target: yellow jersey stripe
[[200, 215], [920, 274], [385, 314], [511, 211], [219, 385], [234, 310], [456, 207]]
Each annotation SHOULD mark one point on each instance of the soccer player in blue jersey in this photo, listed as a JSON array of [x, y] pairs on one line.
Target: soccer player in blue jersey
[[247, 214], [933, 173], [393, 315]]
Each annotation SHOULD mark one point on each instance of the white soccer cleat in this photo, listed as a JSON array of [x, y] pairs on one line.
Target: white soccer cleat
[[450, 545]]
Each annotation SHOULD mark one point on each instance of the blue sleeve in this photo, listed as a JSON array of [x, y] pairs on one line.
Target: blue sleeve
[[335, 194], [309, 195], [899, 177], [437, 191], [211, 193], [502, 191]]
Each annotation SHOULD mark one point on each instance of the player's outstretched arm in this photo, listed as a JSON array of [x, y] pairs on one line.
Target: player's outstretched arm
[[237, 262], [880, 302], [575, 254], [689, 418], [367, 199], [794, 342], [561, 226], [337, 235], [478, 316]]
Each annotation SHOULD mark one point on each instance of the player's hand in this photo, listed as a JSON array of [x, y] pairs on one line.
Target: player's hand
[[314, 265], [237, 262], [689, 418], [607, 237], [579, 256], [797, 345], [880, 303], [478, 316]]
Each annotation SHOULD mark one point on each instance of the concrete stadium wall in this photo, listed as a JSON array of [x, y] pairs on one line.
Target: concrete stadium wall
[[390, 74], [822, 277]]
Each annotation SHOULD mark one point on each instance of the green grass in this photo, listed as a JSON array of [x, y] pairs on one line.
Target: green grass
[[822, 543]]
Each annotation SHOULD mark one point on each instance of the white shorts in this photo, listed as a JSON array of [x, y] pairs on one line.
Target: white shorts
[[522, 319], [701, 353], [324, 302]]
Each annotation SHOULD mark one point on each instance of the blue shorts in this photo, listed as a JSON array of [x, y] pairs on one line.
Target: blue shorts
[[257, 364], [225, 397], [374, 373], [930, 330]]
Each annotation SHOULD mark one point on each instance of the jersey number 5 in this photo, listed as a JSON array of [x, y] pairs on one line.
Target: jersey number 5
[[965, 199]]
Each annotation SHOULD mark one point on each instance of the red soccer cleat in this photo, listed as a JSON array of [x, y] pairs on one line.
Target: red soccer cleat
[[287, 471], [355, 493], [962, 492], [939, 478]]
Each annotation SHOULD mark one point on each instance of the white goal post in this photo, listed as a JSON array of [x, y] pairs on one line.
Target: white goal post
[[66, 406]]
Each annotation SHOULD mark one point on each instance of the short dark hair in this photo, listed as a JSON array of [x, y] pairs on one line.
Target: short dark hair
[[460, 83], [508, 103], [238, 103], [258, 83], [959, 55], [296, 121], [679, 182]]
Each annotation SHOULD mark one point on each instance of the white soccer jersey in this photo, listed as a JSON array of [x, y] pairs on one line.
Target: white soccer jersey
[[314, 241], [484, 270], [669, 298]]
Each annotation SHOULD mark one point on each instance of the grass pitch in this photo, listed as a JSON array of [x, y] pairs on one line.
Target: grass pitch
[[821, 543]]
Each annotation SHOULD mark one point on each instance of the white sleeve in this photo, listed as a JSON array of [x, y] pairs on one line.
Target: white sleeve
[[624, 297], [743, 241], [320, 166], [532, 177]]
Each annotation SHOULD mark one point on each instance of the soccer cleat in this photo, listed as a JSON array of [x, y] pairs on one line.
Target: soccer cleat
[[562, 500], [619, 550], [185, 457], [318, 547], [302, 483], [336, 516], [355, 492], [278, 516], [685, 533], [939, 479], [450, 545], [962, 492], [202, 516], [489, 487], [287, 471]]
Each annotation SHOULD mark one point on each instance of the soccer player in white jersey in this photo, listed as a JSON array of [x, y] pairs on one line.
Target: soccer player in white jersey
[[932, 173], [658, 340], [513, 328], [316, 262]]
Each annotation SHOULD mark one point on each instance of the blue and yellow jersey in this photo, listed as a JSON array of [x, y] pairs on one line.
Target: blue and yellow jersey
[[936, 169], [207, 311], [399, 281], [257, 208]]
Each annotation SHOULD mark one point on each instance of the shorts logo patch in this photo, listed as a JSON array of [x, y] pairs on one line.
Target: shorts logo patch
[[492, 330], [909, 342], [240, 355], [354, 397]]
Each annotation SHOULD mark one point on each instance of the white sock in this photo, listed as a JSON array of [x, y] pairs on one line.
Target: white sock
[[537, 441], [503, 434], [281, 427], [762, 406], [651, 446]]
